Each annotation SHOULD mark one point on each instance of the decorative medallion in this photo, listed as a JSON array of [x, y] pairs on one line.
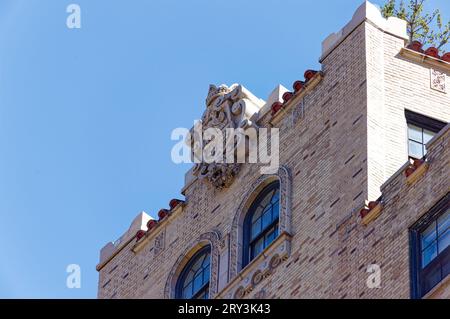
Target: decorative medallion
[[240, 292], [159, 243], [438, 81]]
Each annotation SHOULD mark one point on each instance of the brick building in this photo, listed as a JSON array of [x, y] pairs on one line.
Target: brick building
[[359, 207]]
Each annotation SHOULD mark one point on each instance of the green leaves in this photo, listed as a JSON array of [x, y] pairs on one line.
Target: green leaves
[[388, 10], [427, 28]]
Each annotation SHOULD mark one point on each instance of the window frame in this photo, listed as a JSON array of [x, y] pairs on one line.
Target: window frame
[[423, 122], [247, 226], [182, 277], [417, 272]]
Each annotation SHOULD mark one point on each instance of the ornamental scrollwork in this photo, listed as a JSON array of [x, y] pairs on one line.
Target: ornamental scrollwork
[[226, 108]]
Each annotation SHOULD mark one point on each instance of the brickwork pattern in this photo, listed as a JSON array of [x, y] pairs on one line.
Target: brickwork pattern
[[349, 140]]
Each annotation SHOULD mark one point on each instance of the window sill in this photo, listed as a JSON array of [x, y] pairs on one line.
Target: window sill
[[440, 291], [258, 269]]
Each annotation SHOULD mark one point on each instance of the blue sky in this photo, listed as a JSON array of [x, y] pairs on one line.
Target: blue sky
[[86, 115]]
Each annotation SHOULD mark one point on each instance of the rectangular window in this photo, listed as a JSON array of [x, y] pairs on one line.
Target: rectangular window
[[421, 130], [430, 248]]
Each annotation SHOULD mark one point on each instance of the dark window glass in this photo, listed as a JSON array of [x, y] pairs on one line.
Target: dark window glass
[[430, 239], [194, 280], [261, 222]]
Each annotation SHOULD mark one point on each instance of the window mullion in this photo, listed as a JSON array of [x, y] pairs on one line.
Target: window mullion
[[437, 238]]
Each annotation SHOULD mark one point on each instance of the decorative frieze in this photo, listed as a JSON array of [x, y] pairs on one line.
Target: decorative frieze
[[259, 269]]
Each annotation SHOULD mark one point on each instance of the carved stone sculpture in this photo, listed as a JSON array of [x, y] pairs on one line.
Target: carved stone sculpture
[[226, 108]]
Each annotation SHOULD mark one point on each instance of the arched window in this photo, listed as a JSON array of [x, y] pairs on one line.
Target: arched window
[[261, 222], [194, 279]]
